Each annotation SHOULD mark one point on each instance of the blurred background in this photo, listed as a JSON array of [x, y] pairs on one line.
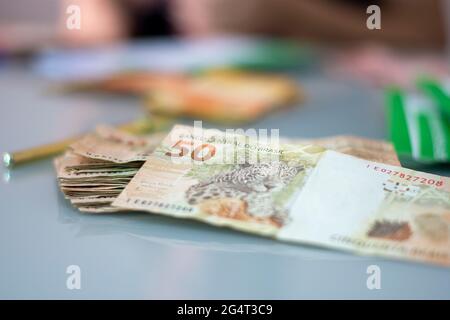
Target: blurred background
[[181, 57], [405, 23], [311, 69]]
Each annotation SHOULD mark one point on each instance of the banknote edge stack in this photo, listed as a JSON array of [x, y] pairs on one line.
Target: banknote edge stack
[[92, 190], [91, 181]]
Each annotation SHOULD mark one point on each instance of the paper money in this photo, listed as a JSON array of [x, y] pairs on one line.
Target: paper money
[[98, 166], [224, 96], [215, 95], [368, 149], [110, 144], [302, 194], [372, 208], [95, 169], [131, 82]]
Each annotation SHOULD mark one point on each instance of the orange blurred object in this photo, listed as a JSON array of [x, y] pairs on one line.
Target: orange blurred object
[[224, 96], [133, 82], [217, 95]]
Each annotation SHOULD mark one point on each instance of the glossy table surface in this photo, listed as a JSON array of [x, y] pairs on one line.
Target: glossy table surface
[[136, 255]]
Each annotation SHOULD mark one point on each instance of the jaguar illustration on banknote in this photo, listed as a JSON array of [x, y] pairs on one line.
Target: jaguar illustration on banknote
[[245, 192], [295, 193]]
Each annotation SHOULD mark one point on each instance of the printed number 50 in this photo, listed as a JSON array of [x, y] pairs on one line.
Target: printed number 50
[[200, 153]]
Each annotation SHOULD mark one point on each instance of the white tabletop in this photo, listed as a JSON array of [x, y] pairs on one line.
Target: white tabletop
[[135, 255]]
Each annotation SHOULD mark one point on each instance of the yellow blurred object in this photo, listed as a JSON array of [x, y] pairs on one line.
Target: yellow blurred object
[[224, 96], [132, 82], [220, 95]]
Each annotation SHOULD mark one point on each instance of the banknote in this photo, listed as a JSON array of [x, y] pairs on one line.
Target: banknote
[[72, 166], [131, 82], [296, 193], [373, 208], [368, 149], [217, 95], [225, 96], [110, 144], [95, 169]]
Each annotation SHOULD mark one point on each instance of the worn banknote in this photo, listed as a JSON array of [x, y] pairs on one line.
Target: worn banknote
[[95, 169], [110, 144], [368, 149], [298, 193]]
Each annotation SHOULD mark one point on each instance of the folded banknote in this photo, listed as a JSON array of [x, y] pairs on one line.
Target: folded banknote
[[296, 193], [96, 168]]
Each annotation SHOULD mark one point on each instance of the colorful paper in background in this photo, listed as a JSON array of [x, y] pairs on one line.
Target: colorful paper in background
[[165, 55]]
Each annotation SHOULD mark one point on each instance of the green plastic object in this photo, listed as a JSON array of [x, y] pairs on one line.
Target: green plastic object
[[397, 123], [437, 91], [270, 55], [276, 55], [418, 126], [426, 137]]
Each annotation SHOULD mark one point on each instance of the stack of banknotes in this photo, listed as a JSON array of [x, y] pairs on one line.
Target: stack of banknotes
[[301, 191], [95, 169]]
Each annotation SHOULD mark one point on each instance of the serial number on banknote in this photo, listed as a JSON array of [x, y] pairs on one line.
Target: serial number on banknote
[[408, 177]]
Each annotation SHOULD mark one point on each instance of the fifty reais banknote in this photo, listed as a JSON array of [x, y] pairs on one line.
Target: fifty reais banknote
[[368, 149], [98, 167], [303, 194]]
